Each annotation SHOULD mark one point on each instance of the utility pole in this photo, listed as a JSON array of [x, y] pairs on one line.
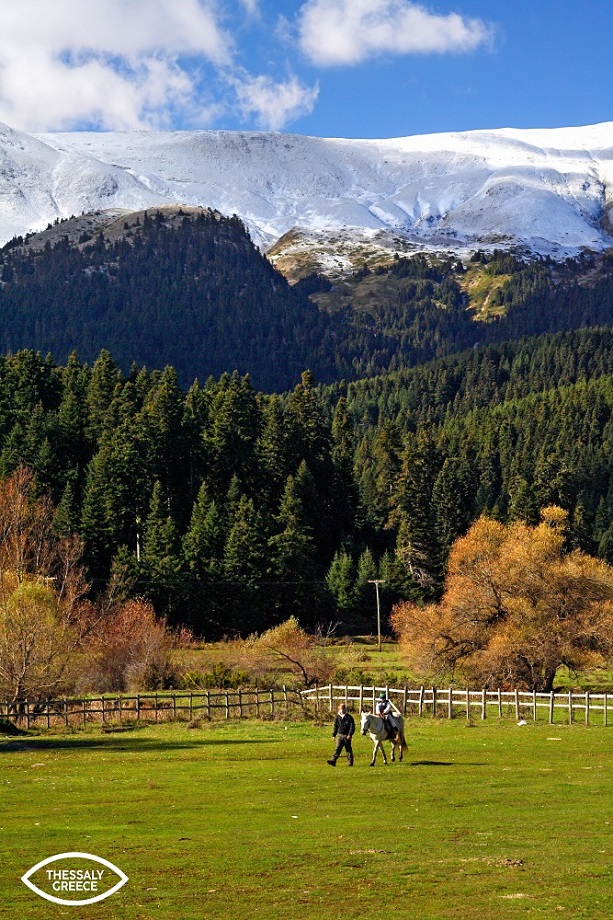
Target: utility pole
[[376, 582], [138, 523]]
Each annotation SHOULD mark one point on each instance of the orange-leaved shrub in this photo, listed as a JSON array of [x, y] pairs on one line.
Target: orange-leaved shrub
[[133, 649], [516, 605]]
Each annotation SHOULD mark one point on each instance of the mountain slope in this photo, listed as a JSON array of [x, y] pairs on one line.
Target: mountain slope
[[548, 190], [187, 287], [166, 287]]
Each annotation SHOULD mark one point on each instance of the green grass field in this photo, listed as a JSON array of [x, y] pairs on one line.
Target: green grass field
[[246, 820]]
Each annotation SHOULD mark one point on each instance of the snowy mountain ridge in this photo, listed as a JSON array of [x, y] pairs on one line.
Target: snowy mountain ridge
[[549, 190]]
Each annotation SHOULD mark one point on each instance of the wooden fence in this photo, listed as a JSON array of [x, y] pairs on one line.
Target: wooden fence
[[155, 707], [570, 706], [284, 702]]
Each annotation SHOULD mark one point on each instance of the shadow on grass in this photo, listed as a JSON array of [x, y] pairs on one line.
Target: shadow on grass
[[443, 763], [118, 742]]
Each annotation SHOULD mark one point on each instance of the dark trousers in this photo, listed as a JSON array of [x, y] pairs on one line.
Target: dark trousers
[[343, 741]]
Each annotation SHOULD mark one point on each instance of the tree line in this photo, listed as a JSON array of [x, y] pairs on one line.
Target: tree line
[[230, 509]]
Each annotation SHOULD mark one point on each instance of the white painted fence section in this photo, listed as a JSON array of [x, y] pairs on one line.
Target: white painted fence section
[[452, 701]]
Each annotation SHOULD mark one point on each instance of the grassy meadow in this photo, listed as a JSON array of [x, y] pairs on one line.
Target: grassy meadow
[[246, 820]]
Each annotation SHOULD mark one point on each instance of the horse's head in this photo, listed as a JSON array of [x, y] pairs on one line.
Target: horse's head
[[365, 722]]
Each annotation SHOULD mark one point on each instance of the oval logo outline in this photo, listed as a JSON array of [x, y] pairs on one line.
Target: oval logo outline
[[123, 878]]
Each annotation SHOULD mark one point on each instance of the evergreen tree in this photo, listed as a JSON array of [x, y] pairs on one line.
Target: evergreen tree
[[341, 583], [291, 554], [417, 547], [204, 540], [100, 393], [452, 501], [243, 567], [161, 564]]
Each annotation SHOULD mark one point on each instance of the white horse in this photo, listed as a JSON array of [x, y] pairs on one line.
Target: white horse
[[375, 727]]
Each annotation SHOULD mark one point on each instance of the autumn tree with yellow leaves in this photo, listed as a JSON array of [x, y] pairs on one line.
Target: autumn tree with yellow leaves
[[44, 612], [517, 605], [53, 638]]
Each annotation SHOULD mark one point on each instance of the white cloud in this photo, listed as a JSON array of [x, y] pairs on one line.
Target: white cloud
[[117, 63], [274, 104], [346, 32], [251, 7]]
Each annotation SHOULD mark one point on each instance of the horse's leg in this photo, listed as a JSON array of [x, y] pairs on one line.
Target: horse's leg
[[383, 752], [374, 753]]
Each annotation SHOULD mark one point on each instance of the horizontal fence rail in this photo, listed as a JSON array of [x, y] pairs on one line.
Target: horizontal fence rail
[[567, 706], [451, 702], [154, 707]]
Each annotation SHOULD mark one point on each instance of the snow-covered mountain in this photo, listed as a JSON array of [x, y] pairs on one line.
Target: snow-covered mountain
[[548, 190]]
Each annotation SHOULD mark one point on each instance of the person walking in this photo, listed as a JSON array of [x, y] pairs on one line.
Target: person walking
[[344, 729]]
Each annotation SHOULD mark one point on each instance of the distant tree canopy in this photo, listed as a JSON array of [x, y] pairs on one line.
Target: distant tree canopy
[[233, 510], [516, 605]]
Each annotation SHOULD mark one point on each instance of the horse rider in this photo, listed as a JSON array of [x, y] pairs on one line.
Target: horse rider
[[384, 711], [344, 729]]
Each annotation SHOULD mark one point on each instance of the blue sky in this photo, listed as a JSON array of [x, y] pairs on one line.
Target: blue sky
[[335, 68]]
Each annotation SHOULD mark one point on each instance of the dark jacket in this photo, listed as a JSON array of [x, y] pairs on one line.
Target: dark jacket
[[344, 725]]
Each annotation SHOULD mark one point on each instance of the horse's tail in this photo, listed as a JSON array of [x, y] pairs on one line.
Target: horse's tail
[[403, 740]]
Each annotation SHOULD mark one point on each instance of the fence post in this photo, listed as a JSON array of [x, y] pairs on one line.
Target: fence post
[[83, 709]]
